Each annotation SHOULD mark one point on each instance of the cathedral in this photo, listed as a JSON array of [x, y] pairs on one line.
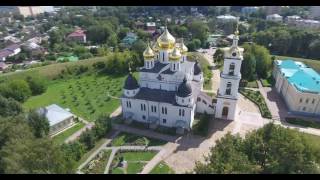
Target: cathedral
[[169, 91]]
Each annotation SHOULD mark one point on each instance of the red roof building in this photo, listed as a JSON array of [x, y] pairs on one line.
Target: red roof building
[[78, 35]]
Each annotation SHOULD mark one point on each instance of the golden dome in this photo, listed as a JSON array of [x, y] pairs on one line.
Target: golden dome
[[166, 40], [148, 53], [155, 47], [175, 55], [183, 48]]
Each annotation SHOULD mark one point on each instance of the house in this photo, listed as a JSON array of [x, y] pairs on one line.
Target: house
[[59, 118], [4, 54], [32, 48], [274, 18], [78, 36], [226, 18], [302, 23], [139, 25], [151, 27], [129, 39], [299, 86], [3, 66]]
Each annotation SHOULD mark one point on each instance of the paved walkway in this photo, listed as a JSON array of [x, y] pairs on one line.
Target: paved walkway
[[107, 141]]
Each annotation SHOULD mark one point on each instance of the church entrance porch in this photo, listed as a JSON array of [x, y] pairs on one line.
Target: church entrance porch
[[225, 112]]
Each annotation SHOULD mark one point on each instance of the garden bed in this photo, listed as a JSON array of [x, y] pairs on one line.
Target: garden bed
[[302, 122], [126, 139], [267, 82], [249, 84], [98, 164], [257, 98], [136, 160]]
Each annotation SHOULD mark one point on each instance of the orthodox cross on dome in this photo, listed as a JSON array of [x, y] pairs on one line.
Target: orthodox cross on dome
[[237, 27], [130, 67]]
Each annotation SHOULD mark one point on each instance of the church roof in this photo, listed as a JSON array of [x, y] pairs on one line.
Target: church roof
[[156, 69], [131, 83], [184, 89], [197, 69]]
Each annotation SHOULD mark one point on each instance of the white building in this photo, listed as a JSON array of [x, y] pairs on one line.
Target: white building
[[302, 23], [274, 18], [299, 86], [227, 95], [227, 18], [59, 118], [315, 11], [169, 92]]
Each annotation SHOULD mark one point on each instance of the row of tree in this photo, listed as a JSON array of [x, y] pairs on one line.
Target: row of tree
[[269, 150]]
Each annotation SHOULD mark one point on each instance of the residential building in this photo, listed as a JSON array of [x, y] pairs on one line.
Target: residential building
[[303, 23], [3, 66], [30, 10], [299, 86], [59, 118], [129, 39], [227, 18], [274, 18], [11, 50], [78, 35], [151, 27]]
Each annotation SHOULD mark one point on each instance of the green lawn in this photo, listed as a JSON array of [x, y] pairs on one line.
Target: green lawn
[[60, 138], [302, 122], [257, 98], [136, 161], [313, 139], [126, 139], [249, 84], [99, 165], [162, 168], [267, 82], [315, 64], [86, 96]]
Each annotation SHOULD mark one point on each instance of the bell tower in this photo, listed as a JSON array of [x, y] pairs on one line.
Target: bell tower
[[227, 95]]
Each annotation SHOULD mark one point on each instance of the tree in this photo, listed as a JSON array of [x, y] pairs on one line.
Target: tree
[[270, 149], [16, 89], [218, 56], [226, 158], [39, 123], [9, 107], [37, 84], [248, 67], [88, 139], [102, 126], [139, 46], [199, 30]]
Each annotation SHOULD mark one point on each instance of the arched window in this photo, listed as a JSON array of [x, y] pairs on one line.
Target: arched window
[[174, 66], [231, 69], [228, 89]]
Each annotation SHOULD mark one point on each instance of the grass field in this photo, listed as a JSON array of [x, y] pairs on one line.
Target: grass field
[[87, 96], [136, 161], [162, 168], [50, 71], [126, 139], [315, 64], [304, 123], [60, 138]]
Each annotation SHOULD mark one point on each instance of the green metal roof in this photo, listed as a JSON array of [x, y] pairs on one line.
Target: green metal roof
[[305, 79]]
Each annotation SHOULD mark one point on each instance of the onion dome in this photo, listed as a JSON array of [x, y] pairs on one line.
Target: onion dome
[[155, 47], [183, 48], [175, 55], [131, 83], [166, 40], [148, 53], [184, 89], [196, 69]]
